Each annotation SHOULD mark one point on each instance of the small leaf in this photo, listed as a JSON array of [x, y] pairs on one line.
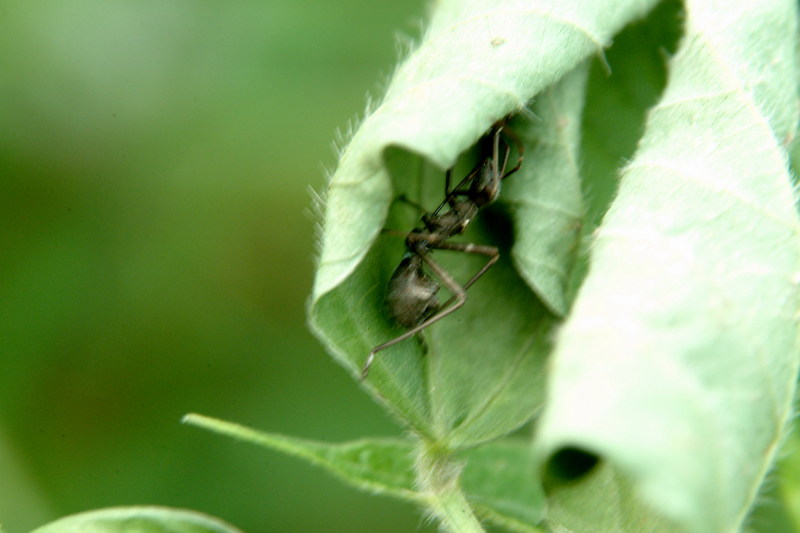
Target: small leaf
[[144, 519], [384, 466], [678, 362], [469, 379], [498, 478]]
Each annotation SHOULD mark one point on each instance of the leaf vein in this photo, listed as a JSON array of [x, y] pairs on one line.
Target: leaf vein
[[501, 383]]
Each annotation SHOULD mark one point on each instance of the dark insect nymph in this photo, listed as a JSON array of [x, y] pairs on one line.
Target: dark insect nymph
[[412, 297]]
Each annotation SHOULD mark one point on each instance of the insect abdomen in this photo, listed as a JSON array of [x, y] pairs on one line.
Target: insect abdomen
[[412, 295]]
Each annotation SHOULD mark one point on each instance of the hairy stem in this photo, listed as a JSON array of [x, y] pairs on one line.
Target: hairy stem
[[438, 478]]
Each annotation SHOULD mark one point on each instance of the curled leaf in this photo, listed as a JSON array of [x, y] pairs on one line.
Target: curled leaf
[[678, 363], [469, 379]]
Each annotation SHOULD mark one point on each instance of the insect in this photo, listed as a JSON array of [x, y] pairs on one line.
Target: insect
[[412, 296]]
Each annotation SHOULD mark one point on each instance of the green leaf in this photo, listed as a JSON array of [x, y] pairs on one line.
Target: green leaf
[[678, 362], [601, 502], [381, 466], [772, 512], [789, 477], [144, 519], [619, 94], [478, 61], [545, 194], [498, 478], [484, 386], [500, 482], [470, 379]]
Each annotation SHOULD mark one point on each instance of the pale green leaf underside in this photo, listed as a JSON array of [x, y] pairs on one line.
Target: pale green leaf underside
[[678, 362], [472, 378], [138, 519], [498, 479]]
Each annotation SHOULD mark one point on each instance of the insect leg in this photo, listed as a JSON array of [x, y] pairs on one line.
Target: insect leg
[[520, 151], [434, 242], [457, 190], [459, 291], [458, 299], [406, 200], [496, 153], [489, 251]]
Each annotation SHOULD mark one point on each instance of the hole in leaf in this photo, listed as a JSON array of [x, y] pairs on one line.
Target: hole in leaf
[[570, 464]]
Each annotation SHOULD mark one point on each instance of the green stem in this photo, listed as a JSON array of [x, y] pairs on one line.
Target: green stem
[[455, 513], [438, 478]]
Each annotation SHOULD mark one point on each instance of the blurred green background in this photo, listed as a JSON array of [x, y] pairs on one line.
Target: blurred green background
[[157, 253]]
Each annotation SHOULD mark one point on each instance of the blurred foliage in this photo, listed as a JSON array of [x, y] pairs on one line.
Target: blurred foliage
[[157, 254]]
